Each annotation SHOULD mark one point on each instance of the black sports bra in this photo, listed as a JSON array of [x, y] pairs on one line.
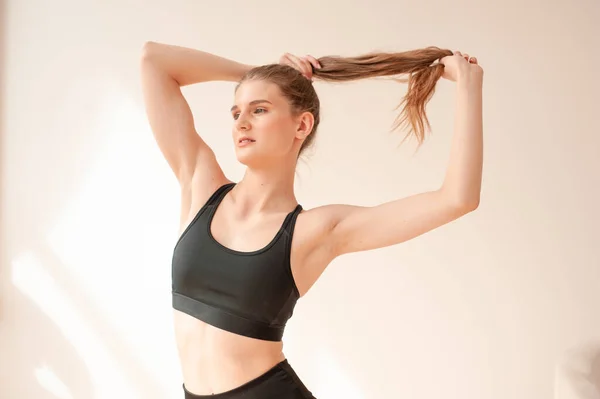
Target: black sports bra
[[247, 293]]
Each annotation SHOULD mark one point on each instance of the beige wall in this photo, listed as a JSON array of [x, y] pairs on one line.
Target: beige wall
[[500, 304]]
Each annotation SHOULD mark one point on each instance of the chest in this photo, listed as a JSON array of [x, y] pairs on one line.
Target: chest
[[250, 238], [245, 235]]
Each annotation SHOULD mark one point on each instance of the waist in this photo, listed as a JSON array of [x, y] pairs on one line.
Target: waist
[[215, 360]]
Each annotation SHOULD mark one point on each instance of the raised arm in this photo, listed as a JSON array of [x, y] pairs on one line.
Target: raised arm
[[164, 70], [361, 228]]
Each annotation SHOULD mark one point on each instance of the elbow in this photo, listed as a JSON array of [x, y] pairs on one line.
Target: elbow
[[463, 201], [145, 54], [148, 51], [150, 58], [468, 204]]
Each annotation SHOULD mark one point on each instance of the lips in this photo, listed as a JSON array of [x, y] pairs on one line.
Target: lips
[[245, 139]]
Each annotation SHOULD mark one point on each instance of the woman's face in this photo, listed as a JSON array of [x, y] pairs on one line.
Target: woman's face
[[261, 113]]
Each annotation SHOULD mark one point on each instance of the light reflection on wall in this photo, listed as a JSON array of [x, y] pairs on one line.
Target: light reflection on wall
[[113, 239], [52, 383], [29, 276]]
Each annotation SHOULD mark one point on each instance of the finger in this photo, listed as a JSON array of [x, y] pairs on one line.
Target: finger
[[308, 68], [300, 66], [292, 59], [466, 56], [458, 53], [286, 59], [314, 61], [473, 60]]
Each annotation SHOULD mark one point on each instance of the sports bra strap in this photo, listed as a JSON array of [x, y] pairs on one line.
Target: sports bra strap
[[219, 194], [290, 220]]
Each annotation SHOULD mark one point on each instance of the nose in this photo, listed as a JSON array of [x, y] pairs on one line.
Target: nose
[[241, 123]]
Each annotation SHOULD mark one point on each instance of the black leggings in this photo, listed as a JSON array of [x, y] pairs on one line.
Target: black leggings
[[279, 382]]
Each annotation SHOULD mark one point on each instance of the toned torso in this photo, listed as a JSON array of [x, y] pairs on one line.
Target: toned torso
[[215, 360]]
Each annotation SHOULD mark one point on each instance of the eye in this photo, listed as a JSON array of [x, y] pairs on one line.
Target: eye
[[257, 109]]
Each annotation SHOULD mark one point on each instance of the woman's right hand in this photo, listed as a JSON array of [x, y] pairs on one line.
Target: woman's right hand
[[302, 64], [458, 65]]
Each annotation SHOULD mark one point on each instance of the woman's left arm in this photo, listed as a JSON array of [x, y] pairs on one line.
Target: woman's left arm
[[463, 176], [360, 228]]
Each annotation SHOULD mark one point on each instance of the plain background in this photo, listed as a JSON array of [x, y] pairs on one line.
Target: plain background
[[502, 303]]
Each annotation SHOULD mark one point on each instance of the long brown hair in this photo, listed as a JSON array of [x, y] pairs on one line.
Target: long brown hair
[[419, 66]]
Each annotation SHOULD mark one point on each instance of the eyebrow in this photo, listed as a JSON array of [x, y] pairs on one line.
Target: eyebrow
[[252, 103]]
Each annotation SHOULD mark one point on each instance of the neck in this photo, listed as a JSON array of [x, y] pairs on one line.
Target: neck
[[265, 190]]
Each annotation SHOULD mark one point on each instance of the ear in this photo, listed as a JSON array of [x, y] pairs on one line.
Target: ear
[[306, 121]]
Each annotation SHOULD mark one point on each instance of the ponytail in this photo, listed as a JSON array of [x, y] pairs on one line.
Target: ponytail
[[418, 64]]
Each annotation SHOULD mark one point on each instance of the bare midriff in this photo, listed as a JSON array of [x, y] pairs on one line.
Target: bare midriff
[[215, 361]]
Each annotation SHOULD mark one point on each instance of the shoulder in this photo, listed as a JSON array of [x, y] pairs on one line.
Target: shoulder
[[314, 226]]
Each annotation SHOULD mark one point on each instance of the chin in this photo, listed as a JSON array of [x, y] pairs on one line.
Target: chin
[[254, 159], [247, 158]]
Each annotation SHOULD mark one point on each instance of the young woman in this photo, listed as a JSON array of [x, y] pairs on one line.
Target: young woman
[[247, 250]]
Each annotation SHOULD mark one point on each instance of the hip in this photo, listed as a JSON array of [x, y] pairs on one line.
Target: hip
[[280, 381]]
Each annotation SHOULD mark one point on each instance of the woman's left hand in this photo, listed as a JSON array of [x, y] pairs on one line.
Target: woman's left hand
[[303, 64], [460, 65]]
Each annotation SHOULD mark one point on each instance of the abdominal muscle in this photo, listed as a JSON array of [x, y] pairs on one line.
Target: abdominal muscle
[[215, 361]]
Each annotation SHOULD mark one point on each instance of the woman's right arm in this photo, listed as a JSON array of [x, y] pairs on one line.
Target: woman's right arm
[[164, 70]]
